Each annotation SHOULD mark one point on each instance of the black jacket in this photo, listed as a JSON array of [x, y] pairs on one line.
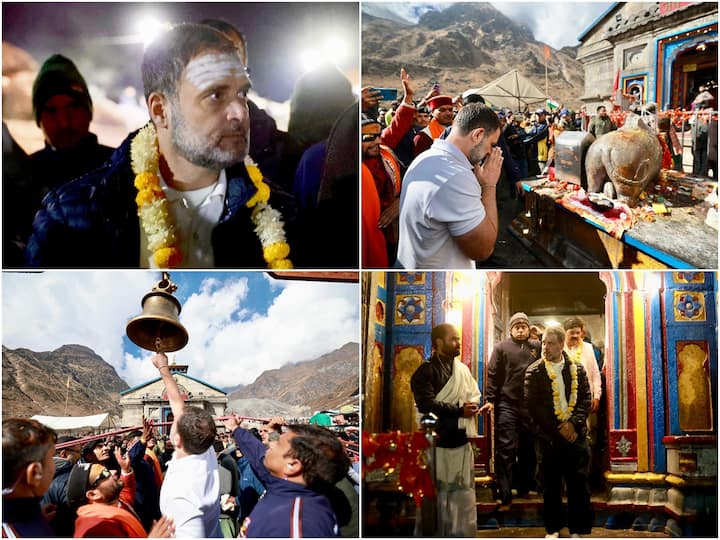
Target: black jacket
[[92, 222], [539, 399], [64, 521], [506, 370], [427, 381]]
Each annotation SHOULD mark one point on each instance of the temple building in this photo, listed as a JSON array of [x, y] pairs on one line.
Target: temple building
[[149, 399], [659, 52], [658, 332]]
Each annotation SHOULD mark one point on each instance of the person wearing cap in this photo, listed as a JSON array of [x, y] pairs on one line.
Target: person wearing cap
[[442, 110], [558, 397], [381, 165], [504, 398], [567, 121], [63, 109], [537, 143], [96, 451], [104, 502], [601, 123], [448, 207], [197, 203], [27, 471]]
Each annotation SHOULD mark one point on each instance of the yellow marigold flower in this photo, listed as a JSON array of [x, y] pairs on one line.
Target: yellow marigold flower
[[282, 264], [278, 250], [169, 257], [262, 195], [144, 197], [146, 180], [254, 173]]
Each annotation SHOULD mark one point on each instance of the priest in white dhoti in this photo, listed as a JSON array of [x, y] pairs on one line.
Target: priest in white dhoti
[[444, 386]]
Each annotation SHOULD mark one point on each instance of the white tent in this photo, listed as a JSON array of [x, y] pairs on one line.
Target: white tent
[[68, 423], [513, 91]]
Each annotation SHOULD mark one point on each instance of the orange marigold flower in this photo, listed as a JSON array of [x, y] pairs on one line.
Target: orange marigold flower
[[147, 180], [168, 257]]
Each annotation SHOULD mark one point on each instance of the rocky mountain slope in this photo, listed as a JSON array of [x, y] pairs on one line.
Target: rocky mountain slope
[[36, 383], [464, 46], [325, 383]]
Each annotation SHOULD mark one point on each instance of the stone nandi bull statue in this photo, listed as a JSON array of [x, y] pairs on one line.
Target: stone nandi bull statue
[[622, 163]]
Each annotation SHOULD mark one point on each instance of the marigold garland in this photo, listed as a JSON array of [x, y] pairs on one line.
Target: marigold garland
[[563, 414], [156, 218]]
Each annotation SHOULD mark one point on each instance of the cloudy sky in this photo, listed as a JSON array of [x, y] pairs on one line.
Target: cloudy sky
[[240, 324], [556, 23]]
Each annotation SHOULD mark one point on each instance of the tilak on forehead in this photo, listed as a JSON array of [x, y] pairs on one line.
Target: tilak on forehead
[[205, 70]]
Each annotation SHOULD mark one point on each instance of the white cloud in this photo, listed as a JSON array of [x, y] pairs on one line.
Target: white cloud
[[306, 320], [230, 343], [556, 23], [43, 311]]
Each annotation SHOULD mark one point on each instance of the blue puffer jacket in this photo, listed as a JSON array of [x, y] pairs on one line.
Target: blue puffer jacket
[[287, 509], [92, 221]]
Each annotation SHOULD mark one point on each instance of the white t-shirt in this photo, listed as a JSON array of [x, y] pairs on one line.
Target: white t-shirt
[[440, 199], [190, 495], [195, 214]]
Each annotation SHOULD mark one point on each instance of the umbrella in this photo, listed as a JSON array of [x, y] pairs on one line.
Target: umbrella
[[512, 90]]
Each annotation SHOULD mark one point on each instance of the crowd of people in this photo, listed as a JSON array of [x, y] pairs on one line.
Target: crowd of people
[[544, 397], [281, 481], [210, 181], [435, 190]]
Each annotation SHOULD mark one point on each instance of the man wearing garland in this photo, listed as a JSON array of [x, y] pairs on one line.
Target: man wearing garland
[[178, 192], [444, 386], [558, 391]]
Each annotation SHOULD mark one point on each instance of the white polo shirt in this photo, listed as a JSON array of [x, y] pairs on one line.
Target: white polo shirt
[[190, 495], [440, 199]]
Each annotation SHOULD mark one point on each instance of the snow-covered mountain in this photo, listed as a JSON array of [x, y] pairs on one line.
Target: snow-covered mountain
[[402, 12]]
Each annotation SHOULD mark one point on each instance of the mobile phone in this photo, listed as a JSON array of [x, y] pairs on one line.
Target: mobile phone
[[387, 94], [436, 86]]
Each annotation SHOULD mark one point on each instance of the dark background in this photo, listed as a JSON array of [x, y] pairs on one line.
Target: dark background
[[97, 37]]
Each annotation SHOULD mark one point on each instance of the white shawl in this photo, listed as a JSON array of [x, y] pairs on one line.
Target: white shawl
[[461, 388]]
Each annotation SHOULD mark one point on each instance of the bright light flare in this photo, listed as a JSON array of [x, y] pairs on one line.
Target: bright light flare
[[332, 50], [148, 28]]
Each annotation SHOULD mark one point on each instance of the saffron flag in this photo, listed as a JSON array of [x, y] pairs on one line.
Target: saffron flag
[[547, 52], [616, 85]]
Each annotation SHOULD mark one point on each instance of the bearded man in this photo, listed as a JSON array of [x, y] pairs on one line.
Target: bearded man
[[558, 394], [448, 206], [444, 386], [195, 202]]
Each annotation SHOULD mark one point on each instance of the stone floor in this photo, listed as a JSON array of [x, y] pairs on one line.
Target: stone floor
[[539, 532]]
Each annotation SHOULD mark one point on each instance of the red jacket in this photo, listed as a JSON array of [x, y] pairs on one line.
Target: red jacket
[[374, 252], [400, 125]]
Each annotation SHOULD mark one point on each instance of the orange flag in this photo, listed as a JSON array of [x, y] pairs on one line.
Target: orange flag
[[547, 52]]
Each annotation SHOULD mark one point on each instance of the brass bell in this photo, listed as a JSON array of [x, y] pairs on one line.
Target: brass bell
[[157, 328]]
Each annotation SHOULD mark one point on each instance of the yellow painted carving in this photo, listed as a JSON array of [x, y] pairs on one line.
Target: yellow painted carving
[[402, 411], [694, 389], [372, 408]]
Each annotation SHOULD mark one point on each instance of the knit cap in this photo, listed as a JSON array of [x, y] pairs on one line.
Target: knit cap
[[518, 318], [58, 76], [79, 482]]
